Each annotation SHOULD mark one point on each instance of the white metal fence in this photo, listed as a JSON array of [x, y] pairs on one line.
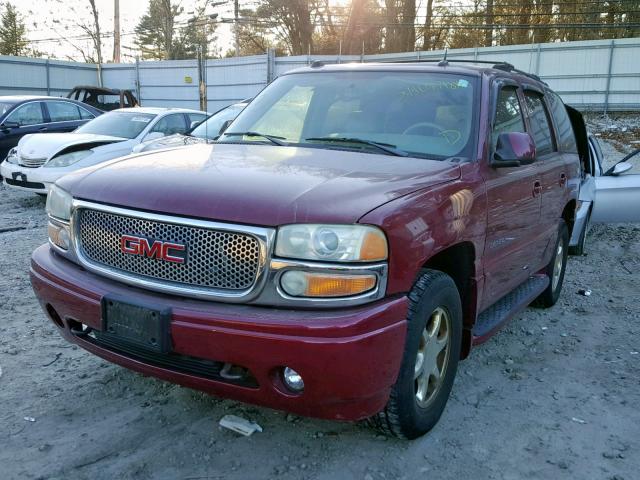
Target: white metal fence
[[591, 75]]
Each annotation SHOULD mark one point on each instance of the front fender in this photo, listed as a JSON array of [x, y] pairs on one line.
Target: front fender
[[423, 223]]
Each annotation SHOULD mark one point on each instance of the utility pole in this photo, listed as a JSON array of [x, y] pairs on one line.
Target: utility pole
[[116, 31], [235, 26]]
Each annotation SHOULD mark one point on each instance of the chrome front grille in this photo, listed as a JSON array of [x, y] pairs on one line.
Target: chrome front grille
[[216, 259], [31, 162]]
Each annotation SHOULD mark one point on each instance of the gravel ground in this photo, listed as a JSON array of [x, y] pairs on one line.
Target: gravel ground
[[554, 395]]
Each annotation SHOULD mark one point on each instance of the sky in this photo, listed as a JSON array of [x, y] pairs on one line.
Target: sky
[[48, 20]]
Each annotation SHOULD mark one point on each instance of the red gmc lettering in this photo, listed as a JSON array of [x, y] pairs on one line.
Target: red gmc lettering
[[159, 250]]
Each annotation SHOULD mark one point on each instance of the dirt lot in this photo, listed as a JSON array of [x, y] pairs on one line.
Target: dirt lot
[[554, 395]]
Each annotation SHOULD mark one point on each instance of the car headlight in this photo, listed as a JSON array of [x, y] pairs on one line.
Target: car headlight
[[59, 203], [68, 159], [12, 156], [335, 243]]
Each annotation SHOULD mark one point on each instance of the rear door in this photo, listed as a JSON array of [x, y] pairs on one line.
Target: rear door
[[551, 163], [64, 116], [617, 195]]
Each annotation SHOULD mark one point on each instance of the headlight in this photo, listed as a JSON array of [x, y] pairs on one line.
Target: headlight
[[337, 243], [68, 159], [12, 156], [59, 203]]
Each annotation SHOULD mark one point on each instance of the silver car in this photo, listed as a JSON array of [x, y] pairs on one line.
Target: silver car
[[606, 196]]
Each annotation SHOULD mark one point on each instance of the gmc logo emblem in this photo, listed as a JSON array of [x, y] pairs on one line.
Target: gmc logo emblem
[[167, 251]]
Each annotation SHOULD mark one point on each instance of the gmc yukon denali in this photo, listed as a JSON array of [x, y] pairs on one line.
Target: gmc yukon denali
[[335, 252]]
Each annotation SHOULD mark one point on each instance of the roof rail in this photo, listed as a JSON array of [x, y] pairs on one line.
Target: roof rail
[[499, 65]]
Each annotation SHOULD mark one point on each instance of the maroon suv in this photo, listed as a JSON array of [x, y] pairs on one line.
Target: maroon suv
[[336, 252]]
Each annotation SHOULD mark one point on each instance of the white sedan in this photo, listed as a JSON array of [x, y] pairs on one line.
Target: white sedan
[[40, 159]]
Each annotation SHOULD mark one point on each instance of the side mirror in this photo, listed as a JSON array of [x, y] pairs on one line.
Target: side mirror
[[620, 168], [224, 126], [513, 149], [153, 136], [8, 125]]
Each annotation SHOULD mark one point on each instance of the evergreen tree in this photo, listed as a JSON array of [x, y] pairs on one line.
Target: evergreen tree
[[13, 39]]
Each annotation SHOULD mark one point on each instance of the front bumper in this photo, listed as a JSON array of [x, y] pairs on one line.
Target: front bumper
[[28, 179], [348, 358]]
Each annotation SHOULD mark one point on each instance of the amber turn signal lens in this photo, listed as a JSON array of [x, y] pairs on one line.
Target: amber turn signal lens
[[304, 284], [59, 235], [374, 247]]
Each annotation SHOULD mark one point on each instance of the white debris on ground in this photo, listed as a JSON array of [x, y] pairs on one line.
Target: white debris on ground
[[621, 129], [240, 425]]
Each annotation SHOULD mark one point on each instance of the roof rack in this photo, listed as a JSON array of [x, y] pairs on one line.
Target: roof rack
[[498, 65]]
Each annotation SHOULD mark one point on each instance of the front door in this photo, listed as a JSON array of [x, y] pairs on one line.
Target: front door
[[617, 192], [513, 202], [26, 118]]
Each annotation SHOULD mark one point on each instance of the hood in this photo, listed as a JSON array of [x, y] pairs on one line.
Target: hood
[[46, 145], [257, 184]]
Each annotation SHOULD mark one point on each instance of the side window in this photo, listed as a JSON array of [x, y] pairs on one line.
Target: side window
[[170, 124], [508, 113], [63, 111], [29, 114], [540, 127], [194, 119], [566, 137], [86, 114]]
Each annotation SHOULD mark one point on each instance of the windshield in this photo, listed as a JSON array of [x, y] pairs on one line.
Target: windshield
[[211, 128], [4, 107], [427, 115], [118, 124]]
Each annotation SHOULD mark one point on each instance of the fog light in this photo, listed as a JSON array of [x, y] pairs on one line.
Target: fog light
[[292, 379], [59, 235], [308, 284]]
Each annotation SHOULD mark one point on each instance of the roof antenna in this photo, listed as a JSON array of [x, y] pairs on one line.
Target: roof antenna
[[443, 62]]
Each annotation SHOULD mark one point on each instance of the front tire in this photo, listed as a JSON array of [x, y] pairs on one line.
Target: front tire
[[430, 360], [555, 269]]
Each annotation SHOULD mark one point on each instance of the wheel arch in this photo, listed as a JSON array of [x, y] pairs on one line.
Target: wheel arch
[[458, 261]]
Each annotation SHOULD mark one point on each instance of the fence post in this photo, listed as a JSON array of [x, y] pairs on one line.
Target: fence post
[[46, 65], [538, 54], [271, 64], [138, 81], [608, 87]]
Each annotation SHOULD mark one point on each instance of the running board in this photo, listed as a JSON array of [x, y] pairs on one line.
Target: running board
[[499, 313]]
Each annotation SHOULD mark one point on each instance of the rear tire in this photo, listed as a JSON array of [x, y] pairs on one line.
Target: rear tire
[[555, 269], [430, 359]]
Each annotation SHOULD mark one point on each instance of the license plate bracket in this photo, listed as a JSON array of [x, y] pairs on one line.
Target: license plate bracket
[[137, 324]]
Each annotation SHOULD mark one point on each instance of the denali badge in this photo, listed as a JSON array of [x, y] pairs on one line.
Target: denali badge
[[167, 251]]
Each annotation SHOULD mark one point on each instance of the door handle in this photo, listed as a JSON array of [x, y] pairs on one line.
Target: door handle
[[42, 129], [563, 180], [537, 189]]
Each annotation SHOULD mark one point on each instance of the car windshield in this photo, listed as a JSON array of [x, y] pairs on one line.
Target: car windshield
[[210, 129], [422, 114], [118, 124], [4, 107]]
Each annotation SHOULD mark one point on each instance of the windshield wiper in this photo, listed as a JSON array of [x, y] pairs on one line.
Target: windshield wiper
[[272, 138], [385, 147]]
